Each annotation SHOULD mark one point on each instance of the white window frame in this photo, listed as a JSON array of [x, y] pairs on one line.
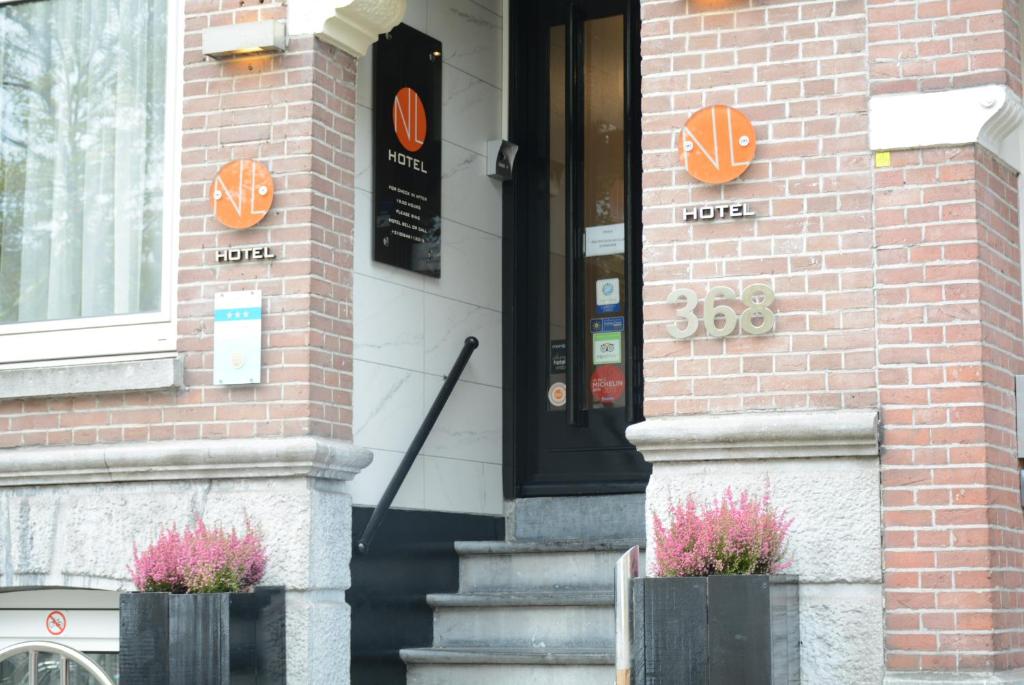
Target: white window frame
[[84, 339]]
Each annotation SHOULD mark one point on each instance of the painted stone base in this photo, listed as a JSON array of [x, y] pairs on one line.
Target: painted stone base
[[82, 534], [824, 470]]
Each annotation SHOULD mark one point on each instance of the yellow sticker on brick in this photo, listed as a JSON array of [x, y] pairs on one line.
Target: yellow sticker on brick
[[883, 160]]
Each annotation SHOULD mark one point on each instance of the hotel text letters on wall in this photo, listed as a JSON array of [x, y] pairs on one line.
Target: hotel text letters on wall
[[407, 151]]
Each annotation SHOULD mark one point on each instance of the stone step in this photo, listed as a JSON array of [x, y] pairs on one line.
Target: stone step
[[518, 566], [513, 620], [600, 517], [465, 666]]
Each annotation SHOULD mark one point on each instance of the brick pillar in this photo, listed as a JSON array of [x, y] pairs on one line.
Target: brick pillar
[[296, 114], [949, 343], [898, 288]]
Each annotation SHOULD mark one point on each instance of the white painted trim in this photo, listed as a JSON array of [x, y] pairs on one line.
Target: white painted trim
[[758, 435], [81, 379], [350, 25], [991, 116], [145, 333], [84, 343], [183, 460]]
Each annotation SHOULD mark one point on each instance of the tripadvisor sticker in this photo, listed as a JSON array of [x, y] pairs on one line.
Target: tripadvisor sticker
[[607, 348], [556, 394], [607, 384]]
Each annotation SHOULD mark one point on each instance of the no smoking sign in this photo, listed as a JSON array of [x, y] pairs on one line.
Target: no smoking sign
[[56, 623]]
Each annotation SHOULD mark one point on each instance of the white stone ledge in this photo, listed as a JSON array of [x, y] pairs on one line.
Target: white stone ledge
[[966, 678], [988, 115], [183, 460], [350, 25], [88, 379], [758, 435]]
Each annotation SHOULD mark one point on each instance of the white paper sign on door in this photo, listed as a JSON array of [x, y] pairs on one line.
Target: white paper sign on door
[[605, 240]]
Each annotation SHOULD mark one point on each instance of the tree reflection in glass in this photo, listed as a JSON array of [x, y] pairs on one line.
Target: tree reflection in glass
[[81, 158]]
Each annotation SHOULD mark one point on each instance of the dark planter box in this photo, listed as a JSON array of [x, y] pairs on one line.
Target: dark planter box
[[225, 638], [740, 630]]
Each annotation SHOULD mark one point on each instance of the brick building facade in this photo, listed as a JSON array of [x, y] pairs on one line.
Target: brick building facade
[[881, 407]]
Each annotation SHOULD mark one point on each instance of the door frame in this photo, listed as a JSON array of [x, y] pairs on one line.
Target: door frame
[[516, 243]]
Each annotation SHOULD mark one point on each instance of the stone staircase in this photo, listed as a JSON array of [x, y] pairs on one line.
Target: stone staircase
[[529, 611]]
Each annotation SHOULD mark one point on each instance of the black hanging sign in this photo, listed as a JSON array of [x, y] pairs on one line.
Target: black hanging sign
[[407, 150]]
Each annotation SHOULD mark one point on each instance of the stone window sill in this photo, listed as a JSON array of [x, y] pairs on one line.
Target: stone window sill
[[89, 379]]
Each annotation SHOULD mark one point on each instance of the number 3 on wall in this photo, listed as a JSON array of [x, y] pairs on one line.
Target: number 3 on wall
[[720, 319]]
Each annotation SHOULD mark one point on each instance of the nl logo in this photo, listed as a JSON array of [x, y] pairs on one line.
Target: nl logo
[[409, 117], [717, 144], [241, 194]]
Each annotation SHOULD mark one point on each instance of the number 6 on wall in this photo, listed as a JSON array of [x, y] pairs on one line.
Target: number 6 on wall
[[720, 319]]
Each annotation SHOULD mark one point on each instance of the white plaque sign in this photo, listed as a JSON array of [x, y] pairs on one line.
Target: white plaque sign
[[237, 330]]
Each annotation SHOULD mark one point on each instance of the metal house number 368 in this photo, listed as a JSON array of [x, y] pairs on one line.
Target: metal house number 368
[[721, 320]]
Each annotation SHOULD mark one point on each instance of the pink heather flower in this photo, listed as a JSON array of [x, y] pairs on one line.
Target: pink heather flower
[[727, 536], [201, 560]]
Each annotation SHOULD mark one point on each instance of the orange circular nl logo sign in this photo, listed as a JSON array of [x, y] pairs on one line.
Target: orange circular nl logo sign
[[410, 119], [717, 144], [241, 193]]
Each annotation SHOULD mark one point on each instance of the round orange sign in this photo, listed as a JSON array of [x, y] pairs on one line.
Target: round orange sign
[[717, 144], [241, 193], [410, 119]]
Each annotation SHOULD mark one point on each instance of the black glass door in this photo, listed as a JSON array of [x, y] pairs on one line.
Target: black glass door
[[575, 317]]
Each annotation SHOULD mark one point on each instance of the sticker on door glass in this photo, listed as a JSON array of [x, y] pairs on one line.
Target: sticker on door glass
[[607, 324], [607, 295], [559, 356], [607, 384], [605, 240], [607, 348], [557, 394]]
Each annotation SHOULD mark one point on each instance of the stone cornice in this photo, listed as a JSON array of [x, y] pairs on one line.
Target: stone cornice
[[758, 435], [350, 25], [990, 116], [183, 460]]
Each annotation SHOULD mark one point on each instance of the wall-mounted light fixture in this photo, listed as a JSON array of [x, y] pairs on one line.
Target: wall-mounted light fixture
[[243, 40]]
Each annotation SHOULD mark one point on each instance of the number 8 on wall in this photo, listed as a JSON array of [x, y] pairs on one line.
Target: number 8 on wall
[[721, 320]]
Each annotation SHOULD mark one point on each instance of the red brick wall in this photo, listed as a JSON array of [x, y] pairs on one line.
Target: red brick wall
[[296, 114], [927, 45], [799, 72], [950, 332], [897, 287]]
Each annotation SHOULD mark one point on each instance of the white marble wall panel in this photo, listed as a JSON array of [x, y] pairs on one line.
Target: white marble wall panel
[[448, 323], [470, 425], [410, 496], [468, 259], [468, 195], [490, 5], [409, 328], [474, 110], [471, 35], [447, 489], [390, 320], [390, 400]]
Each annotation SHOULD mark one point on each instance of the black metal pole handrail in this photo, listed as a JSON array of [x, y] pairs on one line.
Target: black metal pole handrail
[[417, 444]]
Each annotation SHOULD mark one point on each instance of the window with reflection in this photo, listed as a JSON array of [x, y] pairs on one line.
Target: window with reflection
[[82, 134]]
